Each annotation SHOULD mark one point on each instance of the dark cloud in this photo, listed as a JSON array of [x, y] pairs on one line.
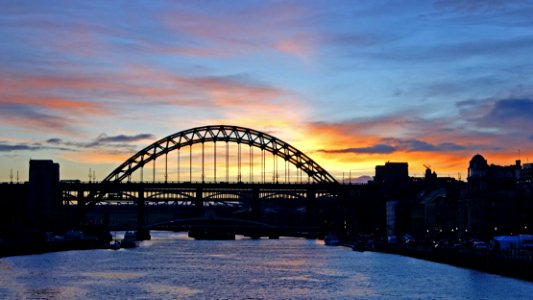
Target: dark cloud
[[124, 138], [531, 138], [376, 149], [391, 145], [414, 145], [54, 141], [508, 116], [5, 147], [118, 141], [507, 120], [514, 114], [104, 141]]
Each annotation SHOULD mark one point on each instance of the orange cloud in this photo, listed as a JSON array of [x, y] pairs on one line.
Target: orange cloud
[[364, 157]]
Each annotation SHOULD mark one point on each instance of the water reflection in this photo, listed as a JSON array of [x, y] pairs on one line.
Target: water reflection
[[112, 275], [157, 289], [173, 267]]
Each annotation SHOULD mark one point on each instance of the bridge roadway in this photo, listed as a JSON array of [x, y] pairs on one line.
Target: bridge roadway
[[195, 200], [94, 192]]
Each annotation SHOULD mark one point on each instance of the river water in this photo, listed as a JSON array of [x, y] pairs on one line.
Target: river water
[[171, 266]]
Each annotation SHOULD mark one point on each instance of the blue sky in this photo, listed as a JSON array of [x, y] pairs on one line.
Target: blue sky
[[351, 83]]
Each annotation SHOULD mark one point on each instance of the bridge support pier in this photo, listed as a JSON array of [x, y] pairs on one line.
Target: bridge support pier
[[199, 202], [311, 210], [81, 206], [256, 205], [142, 233]]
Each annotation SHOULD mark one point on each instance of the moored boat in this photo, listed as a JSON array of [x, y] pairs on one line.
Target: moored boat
[[114, 245], [129, 241]]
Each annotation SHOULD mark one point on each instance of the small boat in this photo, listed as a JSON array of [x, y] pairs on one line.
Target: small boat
[[129, 241], [115, 245]]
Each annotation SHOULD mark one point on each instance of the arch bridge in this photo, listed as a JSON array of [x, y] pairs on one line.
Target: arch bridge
[[239, 136], [229, 171]]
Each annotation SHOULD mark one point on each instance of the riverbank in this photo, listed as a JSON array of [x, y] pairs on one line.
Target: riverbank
[[511, 264]]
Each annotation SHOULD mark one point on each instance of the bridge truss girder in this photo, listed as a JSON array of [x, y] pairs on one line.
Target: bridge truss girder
[[221, 133]]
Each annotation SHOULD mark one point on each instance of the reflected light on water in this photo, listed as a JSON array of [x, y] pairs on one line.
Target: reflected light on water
[[286, 263], [164, 290], [171, 266], [112, 275]]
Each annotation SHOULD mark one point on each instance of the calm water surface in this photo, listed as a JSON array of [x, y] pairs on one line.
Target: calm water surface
[[170, 266]]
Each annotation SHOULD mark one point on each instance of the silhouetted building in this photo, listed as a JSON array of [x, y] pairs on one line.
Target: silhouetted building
[[12, 209], [430, 176], [43, 192], [482, 176], [392, 174], [477, 173], [495, 203], [477, 167]]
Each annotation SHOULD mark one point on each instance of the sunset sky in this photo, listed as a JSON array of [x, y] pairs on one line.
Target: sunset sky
[[351, 83]]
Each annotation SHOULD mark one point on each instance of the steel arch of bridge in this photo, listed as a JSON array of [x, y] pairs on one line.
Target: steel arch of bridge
[[221, 133]]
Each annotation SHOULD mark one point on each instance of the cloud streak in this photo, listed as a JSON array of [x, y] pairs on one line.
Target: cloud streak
[[391, 145], [105, 141], [375, 149], [6, 147], [17, 147], [122, 138]]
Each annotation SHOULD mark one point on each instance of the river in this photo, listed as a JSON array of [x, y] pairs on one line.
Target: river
[[171, 266]]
